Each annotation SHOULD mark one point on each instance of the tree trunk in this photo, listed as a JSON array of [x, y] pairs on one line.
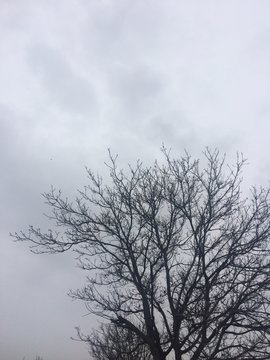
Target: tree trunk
[[157, 354], [177, 354]]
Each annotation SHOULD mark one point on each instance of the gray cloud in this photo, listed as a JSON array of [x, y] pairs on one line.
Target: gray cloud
[[63, 85], [137, 91]]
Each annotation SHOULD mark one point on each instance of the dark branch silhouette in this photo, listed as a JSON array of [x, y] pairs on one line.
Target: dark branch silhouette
[[113, 343]]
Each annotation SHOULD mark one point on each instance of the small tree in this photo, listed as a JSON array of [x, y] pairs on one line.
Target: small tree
[[113, 343], [174, 250]]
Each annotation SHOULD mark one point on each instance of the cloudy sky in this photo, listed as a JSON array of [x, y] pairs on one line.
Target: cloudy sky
[[77, 77]]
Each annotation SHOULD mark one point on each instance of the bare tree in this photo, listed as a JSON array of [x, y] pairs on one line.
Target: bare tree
[[114, 343], [36, 358], [173, 249]]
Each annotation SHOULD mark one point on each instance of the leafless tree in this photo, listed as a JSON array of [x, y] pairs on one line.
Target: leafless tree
[[36, 358], [174, 249], [113, 343]]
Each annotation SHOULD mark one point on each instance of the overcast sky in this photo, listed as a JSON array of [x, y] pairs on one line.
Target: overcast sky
[[77, 77]]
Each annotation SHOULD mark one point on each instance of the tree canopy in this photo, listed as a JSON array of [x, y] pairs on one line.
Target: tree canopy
[[174, 254]]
